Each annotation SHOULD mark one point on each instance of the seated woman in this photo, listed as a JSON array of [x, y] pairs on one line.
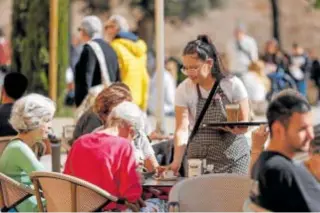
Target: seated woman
[[31, 117], [110, 161], [258, 85], [93, 121], [89, 120]]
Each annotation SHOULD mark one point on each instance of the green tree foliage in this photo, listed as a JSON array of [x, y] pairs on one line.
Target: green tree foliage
[[30, 42], [63, 46]]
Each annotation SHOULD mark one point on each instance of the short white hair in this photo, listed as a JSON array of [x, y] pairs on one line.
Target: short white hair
[[92, 25], [30, 112], [130, 113], [121, 22]]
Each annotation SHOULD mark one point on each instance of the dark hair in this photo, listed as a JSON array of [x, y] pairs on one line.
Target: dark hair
[[205, 50], [284, 105], [1, 32], [15, 85]]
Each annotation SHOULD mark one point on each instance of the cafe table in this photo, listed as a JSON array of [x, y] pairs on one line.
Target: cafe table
[[151, 182]]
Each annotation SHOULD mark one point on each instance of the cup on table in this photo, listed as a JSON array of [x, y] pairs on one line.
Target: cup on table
[[232, 111]]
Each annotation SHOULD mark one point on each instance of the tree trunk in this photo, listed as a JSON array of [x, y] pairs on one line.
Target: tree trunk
[[30, 42], [63, 47], [275, 21]]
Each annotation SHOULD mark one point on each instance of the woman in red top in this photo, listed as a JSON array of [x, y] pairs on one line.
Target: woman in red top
[[109, 160]]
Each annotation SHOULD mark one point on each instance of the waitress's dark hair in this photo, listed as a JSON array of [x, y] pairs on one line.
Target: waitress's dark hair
[[205, 50]]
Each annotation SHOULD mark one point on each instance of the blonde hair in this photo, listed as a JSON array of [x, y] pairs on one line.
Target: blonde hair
[[258, 68]]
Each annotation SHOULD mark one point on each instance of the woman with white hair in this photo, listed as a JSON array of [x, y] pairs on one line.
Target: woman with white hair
[[31, 117], [132, 57], [110, 161]]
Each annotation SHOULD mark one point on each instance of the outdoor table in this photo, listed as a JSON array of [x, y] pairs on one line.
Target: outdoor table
[[158, 183]]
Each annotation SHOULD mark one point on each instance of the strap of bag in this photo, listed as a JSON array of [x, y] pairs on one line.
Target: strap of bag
[[203, 111], [105, 78], [247, 53]]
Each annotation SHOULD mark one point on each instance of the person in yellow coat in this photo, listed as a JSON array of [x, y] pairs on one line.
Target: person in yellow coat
[[132, 58]]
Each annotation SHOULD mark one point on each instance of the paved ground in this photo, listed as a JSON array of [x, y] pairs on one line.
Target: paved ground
[[58, 124]]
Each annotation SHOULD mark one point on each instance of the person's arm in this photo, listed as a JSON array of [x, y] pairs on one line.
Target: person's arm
[[180, 136], [150, 161], [84, 74], [258, 140], [145, 90], [129, 184], [27, 160]]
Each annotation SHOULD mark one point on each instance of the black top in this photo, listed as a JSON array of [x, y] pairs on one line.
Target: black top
[[87, 70], [282, 186], [88, 122], [5, 127]]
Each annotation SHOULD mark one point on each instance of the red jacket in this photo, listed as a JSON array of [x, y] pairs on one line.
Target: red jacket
[[108, 162]]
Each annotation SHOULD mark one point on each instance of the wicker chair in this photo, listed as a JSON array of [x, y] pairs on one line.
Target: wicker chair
[[64, 193], [214, 193], [12, 193]]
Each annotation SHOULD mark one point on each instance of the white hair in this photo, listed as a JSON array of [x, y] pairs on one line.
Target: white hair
[[129, 113], [30, 112], [121, 22], [92, 25]]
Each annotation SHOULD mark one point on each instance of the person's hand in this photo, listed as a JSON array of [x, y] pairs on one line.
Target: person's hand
[[259, 137], [235, 130], [174, 166], [158, 136]]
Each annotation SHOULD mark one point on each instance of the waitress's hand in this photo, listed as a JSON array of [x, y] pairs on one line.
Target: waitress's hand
[[174, 166], [235, 130]]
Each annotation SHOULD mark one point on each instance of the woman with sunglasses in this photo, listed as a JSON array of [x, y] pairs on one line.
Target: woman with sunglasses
[[223, 150]]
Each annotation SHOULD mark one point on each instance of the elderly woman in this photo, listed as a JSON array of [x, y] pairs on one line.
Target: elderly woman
[[110, 161], [31, 117]]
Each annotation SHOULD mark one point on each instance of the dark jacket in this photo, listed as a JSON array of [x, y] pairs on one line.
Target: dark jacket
[[5, 127], [87, 71]]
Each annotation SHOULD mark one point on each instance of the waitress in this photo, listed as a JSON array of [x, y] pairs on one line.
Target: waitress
[[223, 150]]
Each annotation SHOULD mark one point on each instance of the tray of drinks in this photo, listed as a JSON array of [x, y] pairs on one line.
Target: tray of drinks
[[234, 124]]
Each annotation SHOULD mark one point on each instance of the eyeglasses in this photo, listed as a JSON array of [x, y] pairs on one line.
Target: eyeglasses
[[187, 71], [109, 26]]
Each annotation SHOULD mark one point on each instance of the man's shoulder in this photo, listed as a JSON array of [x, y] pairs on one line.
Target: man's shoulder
[[272, 162]]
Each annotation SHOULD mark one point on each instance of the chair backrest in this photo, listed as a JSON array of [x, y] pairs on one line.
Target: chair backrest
[[250, 206], [12, 192], [4, 142], [214, 192], [67, 136], [64, 193]]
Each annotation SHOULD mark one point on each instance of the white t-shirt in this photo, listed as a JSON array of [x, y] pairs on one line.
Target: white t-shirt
[[255, 87], [187, 96], [168, 89], [238, 60]]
